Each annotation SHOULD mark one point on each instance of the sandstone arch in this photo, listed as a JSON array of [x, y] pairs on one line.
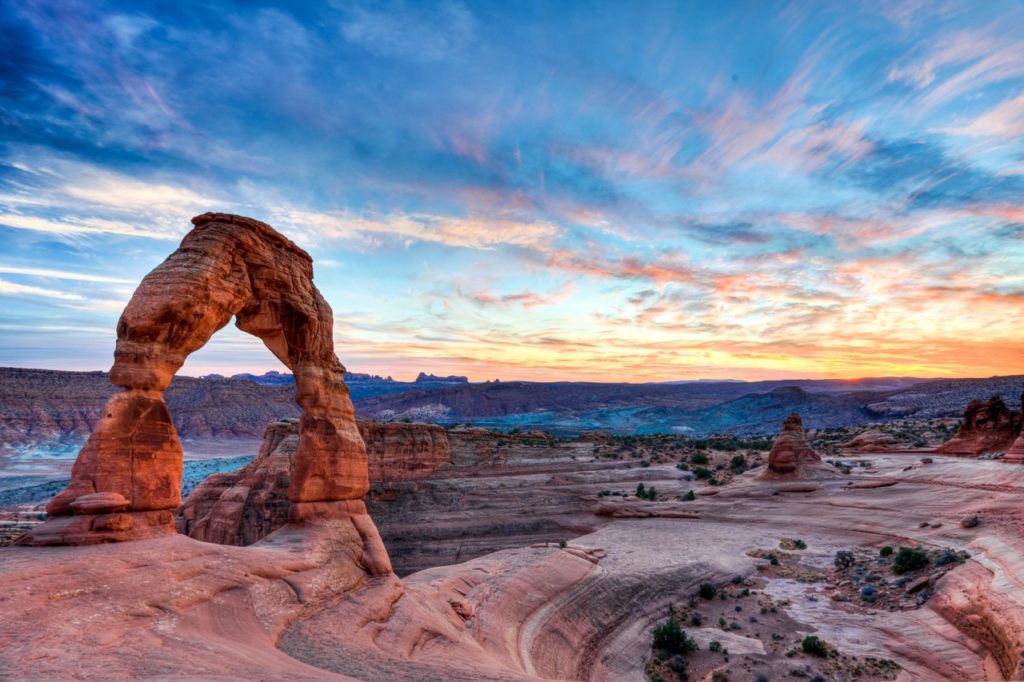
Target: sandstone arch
[[127, 478]]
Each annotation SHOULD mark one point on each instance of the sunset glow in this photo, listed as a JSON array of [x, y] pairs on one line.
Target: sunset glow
[[531, 190]]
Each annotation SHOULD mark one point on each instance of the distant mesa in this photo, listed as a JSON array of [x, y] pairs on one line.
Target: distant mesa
[[434, 379], [988, 426], [790, 451]]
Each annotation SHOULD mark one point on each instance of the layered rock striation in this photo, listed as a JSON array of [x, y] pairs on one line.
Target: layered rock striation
[[226, 267], [988, 426]]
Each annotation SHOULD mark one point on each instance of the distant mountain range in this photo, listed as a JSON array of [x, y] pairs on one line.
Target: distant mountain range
[[361, 385], [40, 407]]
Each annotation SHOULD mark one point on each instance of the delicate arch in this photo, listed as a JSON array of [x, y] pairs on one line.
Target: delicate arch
[[127, 477]]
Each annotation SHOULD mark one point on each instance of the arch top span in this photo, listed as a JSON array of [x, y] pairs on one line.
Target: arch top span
[[127, 477]]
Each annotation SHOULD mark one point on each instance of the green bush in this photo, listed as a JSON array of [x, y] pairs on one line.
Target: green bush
[[715, 646], [885, 551], [641, 491], [702, 472], [843, 559], [738, 463], [814, 646], [689, 496], [707, 591], [908, 559], [670, 637], [800, 544], [699, 458]]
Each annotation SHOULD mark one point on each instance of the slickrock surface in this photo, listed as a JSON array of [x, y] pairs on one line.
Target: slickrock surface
[[790, 452], [988, 426], [172, 606], [226, 267], [242, 507]]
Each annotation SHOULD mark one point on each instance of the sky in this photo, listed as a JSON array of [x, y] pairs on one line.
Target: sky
[[595, 191]]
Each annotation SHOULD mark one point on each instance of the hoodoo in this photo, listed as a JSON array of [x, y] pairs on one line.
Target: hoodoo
[[790, 449], [988, 426], [127, 478]]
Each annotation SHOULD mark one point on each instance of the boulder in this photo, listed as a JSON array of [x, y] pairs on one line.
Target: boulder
[[873, 440]]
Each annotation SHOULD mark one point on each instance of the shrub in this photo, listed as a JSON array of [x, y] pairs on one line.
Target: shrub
[[738, 463], [651, 493], [641, 491], [670, 637], [946, 556], [843, 559], [800, 544], [885, 551], [645, 463], [715, 646], [814, 646], [908, 559], [689, 496], [707, 591], [699, 458], [719, 676], [682, 466], [563, 544], [702, 472]]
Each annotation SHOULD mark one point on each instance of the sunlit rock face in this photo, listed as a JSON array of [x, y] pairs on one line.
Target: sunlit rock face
[[226, 267], [988, 426], [791, 449]]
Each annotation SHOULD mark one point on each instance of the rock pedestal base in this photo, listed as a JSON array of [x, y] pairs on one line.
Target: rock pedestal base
[[96, 529]]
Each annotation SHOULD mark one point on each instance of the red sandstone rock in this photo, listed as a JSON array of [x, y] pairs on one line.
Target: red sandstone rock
[[399, 451], [246, 506], [227, 266], [790, 449], [988, 426]]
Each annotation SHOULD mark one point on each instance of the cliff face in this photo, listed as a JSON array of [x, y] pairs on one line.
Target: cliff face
[[404, 452], [243, 507], [43, 406]]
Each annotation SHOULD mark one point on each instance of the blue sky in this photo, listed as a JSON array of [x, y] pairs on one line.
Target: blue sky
[[642, 191]]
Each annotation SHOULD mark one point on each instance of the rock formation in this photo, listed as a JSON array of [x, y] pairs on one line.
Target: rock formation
[[243, 507], [873, 440], [400, 451], [227, 266], [790, 450], [988, 426]]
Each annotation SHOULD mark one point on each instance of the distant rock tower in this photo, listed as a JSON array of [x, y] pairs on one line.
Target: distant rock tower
[[1015, 455], [791, 449]]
